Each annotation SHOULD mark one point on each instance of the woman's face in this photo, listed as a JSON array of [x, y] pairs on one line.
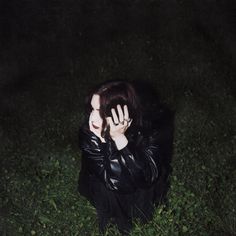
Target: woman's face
[[95, 118]]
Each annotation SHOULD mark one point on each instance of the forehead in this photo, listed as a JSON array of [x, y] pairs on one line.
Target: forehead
[[95, 101]]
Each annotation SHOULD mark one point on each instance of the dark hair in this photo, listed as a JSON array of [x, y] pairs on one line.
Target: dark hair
[[113, 93]]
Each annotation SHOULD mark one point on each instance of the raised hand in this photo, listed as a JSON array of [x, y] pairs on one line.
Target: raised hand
[[121, 121]]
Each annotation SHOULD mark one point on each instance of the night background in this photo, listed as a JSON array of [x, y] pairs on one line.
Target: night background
[[53, 52]]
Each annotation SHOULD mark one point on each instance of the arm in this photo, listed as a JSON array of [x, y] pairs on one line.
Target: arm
[[102, 160], [148, 157], [142, 159]]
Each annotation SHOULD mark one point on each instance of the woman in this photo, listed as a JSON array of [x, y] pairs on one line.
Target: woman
[[126, 147]]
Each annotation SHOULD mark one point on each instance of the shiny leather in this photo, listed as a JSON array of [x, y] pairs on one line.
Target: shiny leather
[[135, 166]]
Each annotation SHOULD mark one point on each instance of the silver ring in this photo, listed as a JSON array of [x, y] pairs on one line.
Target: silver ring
[[122, 122], [116, 123]]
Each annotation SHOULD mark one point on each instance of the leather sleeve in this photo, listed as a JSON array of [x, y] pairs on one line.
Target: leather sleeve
[[142, 159], [121, 170], [102, 160]]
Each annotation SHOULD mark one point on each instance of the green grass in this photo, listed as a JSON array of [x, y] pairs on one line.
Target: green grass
[[40, 159]]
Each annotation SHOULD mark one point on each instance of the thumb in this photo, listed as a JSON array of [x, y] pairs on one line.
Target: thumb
[[130, 122]]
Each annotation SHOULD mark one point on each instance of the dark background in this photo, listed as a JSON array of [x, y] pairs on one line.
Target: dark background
[[53, 52], [40, 37]]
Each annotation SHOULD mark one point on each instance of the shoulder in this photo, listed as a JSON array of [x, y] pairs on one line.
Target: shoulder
[[87, 138], [84, 132], [143, 136], [158, 126]]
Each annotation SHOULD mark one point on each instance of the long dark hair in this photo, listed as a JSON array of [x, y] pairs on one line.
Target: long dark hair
[[111, 94]]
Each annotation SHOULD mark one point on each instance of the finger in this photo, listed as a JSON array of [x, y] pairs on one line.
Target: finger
[[126, 112], [120, 112], [110, 122], [129, 123], [125, 122], [114, 115]]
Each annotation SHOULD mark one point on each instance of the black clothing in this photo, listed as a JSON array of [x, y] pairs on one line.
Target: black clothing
[[126, 184]]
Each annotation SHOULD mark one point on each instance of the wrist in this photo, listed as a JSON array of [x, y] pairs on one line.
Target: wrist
[[121, 141]]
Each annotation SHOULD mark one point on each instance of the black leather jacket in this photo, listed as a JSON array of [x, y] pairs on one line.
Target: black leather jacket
[[143, 163], [135, 166]]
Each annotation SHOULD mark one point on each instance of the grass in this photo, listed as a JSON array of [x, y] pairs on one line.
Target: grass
[[40, 160]]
